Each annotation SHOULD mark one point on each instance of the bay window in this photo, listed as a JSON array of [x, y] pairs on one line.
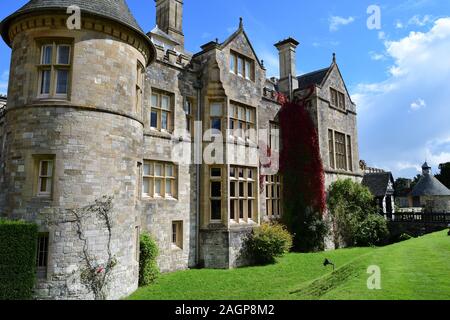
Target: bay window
[[242, 194]]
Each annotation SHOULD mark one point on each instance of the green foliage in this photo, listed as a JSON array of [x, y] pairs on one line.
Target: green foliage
[[404, 237], [148, 268], [17, 259], [307, 226], [268, 242], [444, 174], [354, 215], [371, 231]]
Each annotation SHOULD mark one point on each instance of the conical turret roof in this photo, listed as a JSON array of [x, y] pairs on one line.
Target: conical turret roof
[[428, 185], [116, 10]]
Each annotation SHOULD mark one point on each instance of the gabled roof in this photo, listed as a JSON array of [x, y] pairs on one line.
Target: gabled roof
[[428, 185], [230, 39], [378, 182], [313, 78], [319, 77]]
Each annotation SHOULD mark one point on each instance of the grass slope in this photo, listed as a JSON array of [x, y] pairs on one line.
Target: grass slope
[[415, 269]]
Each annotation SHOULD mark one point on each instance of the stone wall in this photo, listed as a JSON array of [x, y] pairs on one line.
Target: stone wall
[[158, 215], [95, 139], [440, 203], [222, 249]]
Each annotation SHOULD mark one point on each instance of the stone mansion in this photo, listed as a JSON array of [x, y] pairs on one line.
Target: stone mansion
[[97, 111]]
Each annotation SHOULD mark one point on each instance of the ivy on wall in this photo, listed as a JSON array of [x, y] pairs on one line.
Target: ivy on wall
[[304, 194]]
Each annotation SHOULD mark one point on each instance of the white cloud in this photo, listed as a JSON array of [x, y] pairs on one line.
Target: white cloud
[[336, 22], [420, 21], [376, 56], [381, 35], [404, 165], [393, 136], [399, 25], [418, 104]]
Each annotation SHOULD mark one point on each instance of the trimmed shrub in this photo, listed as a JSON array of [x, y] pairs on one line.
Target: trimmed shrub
[[354, 215], [18, 241], [148, 268], [268, 242], [372, 231]]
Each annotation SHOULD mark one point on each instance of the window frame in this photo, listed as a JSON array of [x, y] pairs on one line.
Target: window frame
[[248, 182], [337, 99], [42, 255], [37, 176], [188, 111], [213, 117], [274, 183], [274, 136], [54, 67], [159, 110], [239, 61], [140, 76], [177, 234], [340, 151], [215, 179], [242, 126], [152, 178]]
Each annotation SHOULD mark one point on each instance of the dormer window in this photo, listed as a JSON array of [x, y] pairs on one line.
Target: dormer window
[[242, 66]]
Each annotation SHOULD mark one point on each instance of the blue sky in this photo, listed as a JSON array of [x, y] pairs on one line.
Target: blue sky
[[399, 76]]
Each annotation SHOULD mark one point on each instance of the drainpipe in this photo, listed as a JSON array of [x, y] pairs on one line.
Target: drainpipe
[[198, 87]]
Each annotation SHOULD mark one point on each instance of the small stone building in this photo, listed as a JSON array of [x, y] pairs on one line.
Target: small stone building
[[429, 193], [381, 185], [173, 136]]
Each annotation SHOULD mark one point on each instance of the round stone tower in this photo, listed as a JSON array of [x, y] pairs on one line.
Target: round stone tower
[[73, 134]]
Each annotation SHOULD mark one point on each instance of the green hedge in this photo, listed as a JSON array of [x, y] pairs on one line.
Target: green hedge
[[148, 268], [18, 241]]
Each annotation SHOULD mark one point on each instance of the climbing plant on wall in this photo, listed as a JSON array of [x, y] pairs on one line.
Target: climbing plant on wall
[[303, 176]]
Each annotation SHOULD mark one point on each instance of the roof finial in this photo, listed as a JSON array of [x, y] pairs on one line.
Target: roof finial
[[334, 57], [241, 22], [217, 40]]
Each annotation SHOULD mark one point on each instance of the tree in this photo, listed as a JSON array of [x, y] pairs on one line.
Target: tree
[[402, 186], [444, 175], [354, 215]]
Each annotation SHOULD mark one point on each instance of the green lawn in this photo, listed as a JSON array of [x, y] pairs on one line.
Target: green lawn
[[415, 269]]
